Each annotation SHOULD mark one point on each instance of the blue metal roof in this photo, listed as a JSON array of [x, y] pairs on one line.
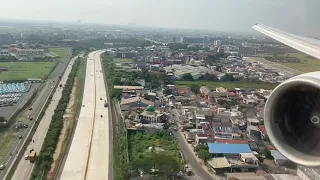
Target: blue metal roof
[[215, 148]]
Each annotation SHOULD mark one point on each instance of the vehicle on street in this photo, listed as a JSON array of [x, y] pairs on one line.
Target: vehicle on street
[[20, 137], [25, 125], [32, 156], [30, 109], [26, 157], [2, 166], [30, 118], [105, 104], [188, 169]]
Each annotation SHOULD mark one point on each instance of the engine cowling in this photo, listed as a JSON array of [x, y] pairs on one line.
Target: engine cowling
[[292, 119]]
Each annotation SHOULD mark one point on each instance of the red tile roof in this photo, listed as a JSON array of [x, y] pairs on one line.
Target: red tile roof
[[231, 141], [262, 129], [270, 147]]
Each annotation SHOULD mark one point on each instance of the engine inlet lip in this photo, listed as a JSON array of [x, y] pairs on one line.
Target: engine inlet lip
[[272, 129]]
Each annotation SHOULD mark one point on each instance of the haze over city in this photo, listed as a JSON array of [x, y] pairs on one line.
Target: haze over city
[[223, 15]]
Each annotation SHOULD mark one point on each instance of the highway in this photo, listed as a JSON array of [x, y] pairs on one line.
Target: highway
[[98, 167], [88, 156], [24, 169], [37, 105]]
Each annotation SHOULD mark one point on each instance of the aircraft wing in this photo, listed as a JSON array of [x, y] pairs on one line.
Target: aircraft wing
[[306, 45]]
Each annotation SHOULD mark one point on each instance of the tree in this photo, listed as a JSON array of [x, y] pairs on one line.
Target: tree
[[210, 77], [187, 77], [227, 78], [266, 152], [203, 152], [195, 88], [167, 91]]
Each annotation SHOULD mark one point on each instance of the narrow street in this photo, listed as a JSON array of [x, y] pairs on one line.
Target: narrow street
[[190, 157]]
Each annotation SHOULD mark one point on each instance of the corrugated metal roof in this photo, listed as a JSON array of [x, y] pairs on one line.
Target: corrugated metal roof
[[220, 162], [277, 155], [215, 148]]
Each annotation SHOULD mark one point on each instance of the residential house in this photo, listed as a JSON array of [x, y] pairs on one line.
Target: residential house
[[244, 176], [215, 95], [204, 91], [254, 131], [279, 159], [201, 138], [135, 103], [244, 162], [228, 149], [306, 173], [253, 121]]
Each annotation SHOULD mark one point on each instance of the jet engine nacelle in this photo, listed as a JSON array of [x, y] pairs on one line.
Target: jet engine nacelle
[[292, 119]]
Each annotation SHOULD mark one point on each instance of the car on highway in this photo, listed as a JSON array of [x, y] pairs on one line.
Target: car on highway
[[2, 166], [26, 157], [30, 109]]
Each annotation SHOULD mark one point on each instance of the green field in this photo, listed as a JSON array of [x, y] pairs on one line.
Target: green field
[[213, 85], [25, 70], [8, 137], [139, 142], [308, 63], [61, 52], [122, 60]]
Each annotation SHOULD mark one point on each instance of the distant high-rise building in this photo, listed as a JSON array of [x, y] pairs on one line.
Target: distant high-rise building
[[205, 39], [217, 43], [176, 39]]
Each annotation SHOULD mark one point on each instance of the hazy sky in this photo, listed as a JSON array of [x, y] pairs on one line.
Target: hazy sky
[[231, 15]]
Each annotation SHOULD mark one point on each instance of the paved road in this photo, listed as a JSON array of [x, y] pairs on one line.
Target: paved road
[[24, 168], [89, 150], [189, 154], [37, 106], [98, 167], [272, 64]]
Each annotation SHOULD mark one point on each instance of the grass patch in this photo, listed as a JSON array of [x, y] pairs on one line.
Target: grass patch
[[25, 70], [61, 52], [123, 60], [7, 139], [308, 63], [139, 142], [213, 85], [80, 78]]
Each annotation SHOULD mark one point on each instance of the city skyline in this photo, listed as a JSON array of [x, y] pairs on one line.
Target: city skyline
[[228, 15]]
